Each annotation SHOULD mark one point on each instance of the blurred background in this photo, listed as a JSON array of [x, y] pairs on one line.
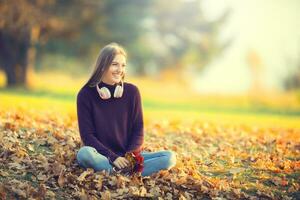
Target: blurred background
[[230, 61]]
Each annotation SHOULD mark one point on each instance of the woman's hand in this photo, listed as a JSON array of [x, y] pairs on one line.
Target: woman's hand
[[121, 162]]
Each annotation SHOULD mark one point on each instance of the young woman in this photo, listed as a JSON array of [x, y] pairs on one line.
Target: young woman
[[110, 119]]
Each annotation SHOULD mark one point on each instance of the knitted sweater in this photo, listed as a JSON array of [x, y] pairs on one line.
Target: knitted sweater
[[113, 126]]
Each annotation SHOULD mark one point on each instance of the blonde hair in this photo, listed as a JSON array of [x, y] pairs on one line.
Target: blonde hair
[[104, 60]]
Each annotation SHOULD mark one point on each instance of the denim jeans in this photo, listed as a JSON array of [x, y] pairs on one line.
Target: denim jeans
[[88, 157]]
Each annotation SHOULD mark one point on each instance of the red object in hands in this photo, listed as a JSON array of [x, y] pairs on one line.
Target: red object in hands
[[136, 162], [139, 164]]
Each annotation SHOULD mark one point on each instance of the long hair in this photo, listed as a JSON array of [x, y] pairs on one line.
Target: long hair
[[104, 60]]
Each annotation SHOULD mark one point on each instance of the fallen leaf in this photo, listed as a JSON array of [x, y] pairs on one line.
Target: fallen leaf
[[30, 147], [61, 179], [106, 195], [236, 170], [83, 195], [2, 192], [85, 173], [42, 177]]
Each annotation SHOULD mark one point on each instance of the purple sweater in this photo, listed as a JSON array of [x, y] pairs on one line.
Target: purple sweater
[[113, 126]]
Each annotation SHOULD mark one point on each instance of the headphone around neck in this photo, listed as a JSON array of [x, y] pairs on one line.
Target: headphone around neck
[[104, 92]]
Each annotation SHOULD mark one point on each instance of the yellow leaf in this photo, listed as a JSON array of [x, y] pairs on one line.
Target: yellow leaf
[[61, 179], [30, 147], [41, 177], [50, 194], [236, 170], [181, 180], [143, 191], [83, 195], [106, 195], [21, 153], [84, 174], [3, 173]]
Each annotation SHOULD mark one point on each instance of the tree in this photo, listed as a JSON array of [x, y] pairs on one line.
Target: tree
[[180, 36], [292, 80], [155, 33], [27, 23], [17, 23]]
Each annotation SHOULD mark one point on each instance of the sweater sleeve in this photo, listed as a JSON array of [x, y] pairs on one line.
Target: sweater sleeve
[[137, 134], [87, 129]]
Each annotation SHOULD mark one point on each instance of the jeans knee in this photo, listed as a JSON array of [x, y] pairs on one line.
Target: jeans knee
[[89, 157], [85, 153], [170, 159]]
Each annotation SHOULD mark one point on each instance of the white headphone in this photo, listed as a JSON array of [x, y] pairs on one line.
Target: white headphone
[[104, 92]]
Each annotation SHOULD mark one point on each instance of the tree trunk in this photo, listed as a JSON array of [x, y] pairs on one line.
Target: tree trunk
[[13, 56]]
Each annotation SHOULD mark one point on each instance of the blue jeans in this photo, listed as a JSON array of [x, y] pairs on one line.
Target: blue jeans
[[88, 157]]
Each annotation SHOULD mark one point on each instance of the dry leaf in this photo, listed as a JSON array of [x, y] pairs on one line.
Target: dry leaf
[[84, 174], [57, 168], [30, 147], [50, 194], [42, 177], [236, 170], [61, 179], [3, 173], [181, 197], [2, 192], [143, 191], [106, 195], [213, 160]]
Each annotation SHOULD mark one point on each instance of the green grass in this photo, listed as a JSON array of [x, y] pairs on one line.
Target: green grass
[[152, 104], [64, 102]]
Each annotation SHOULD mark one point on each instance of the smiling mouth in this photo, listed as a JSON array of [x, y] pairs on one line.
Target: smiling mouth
[[117, 75]]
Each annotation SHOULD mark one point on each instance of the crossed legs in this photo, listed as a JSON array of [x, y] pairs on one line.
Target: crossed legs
[[88, 157]]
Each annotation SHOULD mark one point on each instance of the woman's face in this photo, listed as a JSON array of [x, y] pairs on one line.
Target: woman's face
[[115, 71]]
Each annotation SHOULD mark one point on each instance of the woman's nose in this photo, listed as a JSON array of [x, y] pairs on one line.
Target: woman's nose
[[119, 68]]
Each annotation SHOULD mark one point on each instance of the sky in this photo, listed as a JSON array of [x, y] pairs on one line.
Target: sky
[[270, 27]]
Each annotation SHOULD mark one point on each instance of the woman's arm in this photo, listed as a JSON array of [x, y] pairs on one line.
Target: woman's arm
[[87, 128], [137, 134]]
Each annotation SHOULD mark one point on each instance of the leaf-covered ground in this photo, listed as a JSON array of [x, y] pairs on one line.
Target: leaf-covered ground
[[214, 161]]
